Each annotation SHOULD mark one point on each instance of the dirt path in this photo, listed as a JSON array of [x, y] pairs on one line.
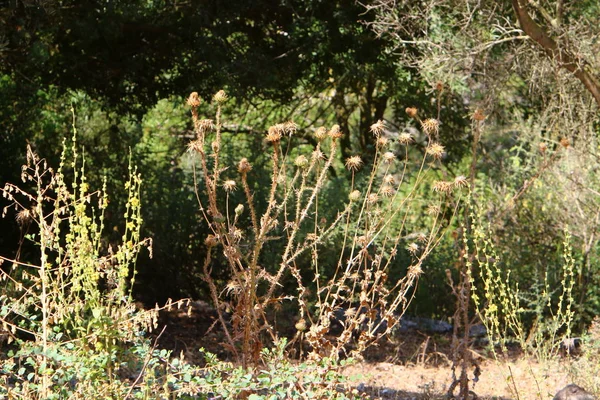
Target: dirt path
[[412, 366], [388, 380]]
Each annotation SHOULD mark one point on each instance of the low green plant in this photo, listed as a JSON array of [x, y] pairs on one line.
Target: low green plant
[[76, 330], [505, 310]]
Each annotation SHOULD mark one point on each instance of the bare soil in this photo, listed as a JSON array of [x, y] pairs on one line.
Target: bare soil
[[410, 366]]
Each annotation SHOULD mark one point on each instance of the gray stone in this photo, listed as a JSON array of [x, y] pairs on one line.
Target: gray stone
[[573, 392]]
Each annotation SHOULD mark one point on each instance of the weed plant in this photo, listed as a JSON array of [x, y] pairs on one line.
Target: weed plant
[[73, 330], [358, 294], [70, 323]]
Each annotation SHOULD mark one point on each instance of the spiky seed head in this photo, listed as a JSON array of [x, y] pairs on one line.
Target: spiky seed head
[[433, 210], [301, 325], [413, 248], [229, 185], [24, 217], [335, 132], [211, 241], [321, 133], [301, 161], [478, 115], [354, 163], [442, 186], [405, 138], [461, 181], [290, 127], [244, 166], [317, 155], [435, 150], [220, 97], [564, 142], [195, 146], [387, 191], [194, 100], [389, 179], [237, 233], [382, 142], [430, 126], [378, 128], [373, 198], [239, 210], [543, 147], [388, 157], [206, 125], [355, 195], [362, 240], [215, 146], [421, 237], [274, 134], [415, 270], [411, 112]]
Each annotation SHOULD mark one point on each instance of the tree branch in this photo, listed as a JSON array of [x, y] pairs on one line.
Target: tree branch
[[575, 65]]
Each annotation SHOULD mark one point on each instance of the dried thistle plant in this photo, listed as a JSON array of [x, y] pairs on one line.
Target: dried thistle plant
[[371, 224]]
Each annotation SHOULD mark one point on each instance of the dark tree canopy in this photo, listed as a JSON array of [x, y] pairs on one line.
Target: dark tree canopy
[[135, 52]]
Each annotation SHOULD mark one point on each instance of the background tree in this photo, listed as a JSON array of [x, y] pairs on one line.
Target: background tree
[[533, 67]]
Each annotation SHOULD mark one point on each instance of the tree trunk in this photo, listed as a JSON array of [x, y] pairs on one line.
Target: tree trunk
[[575, 65]]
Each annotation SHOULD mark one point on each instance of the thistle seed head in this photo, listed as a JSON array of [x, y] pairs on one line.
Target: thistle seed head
[[373, 198], [378, 128], [206, 125], [435, 150], [388, 157], [382, 142], [317, 155], [244, 166], [290, 127], [478, 115], [413, 248], [194, 100], [354, 163], [24, 217], [301, 161], [355, 195], [229, 186], [387, 191], [405, 138], [433, 210], [274, 134], [415, 271], [211, 241], [195, 146], [430, 126], [220, 97], [461, 181], [443, 186], [321, 133], [335, 132]]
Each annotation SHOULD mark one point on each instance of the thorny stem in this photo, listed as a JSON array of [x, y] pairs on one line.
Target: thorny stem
[[303, 214]]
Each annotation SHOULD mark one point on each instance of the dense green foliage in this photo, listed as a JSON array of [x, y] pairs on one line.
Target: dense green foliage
[[127, 66]]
